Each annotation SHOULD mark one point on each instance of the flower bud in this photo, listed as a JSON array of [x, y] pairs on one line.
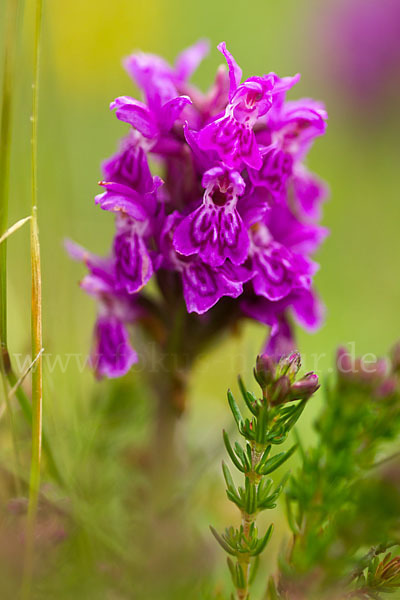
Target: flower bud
[[360, 371], [280, 390], [344, 363], [289, 365], [265, 370], [387, 388], [305, 387], [395, 356], [388, 570]]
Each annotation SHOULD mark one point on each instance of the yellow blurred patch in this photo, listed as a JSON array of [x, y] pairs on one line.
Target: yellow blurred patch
[[90, 37]]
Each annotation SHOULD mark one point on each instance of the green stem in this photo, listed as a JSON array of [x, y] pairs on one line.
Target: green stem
[[5, 155], [26, 408], [11, 423], [247, 519], [36, 325], [13, 10]]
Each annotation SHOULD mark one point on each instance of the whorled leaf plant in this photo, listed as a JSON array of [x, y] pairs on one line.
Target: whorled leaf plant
[[272, 418]]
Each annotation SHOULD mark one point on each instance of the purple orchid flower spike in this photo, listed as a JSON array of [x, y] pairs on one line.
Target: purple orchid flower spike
[[129, 166], [100, 269], [277, 270], [234, 216], [203, 285], [102, 282], [130, 187], [309, 192], [121, 198], [203, 160], [112, 355], [276, 168], [166, 88], [235, 72], [150, 123], [133, 264], [232, 135], [234, 142], [287, 229], [162, 86], [281, 340], [297, 124], [304, 305], [308, 309], [215, 231], [188, 60], [159, 80], [132, 195], [154, 76]]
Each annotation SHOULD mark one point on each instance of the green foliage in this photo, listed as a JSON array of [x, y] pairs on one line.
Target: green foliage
[[342, 505], [270, 422]]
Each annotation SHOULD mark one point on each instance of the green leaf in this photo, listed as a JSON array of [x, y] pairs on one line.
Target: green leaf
[[232, 570], [276, 461], [291, 518], [272, 593], [283, 482], [249, 454], [228, 477], [248, 431], [250, 497], [241, 582], [263, 490], [235, 410], [299, 444], [231, 452], [243, 456], [254, 569], [261, 544], [290, 423], [262, 423], [235, 498], [222, 542], [263, 459], [250, 400]]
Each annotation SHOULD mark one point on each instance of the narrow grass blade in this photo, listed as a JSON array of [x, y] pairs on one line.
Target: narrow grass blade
[[36, 327], [5, 153], [11, 20], [14, 228], [24, 374]]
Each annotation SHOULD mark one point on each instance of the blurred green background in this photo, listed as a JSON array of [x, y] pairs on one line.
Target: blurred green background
[[81, 72]]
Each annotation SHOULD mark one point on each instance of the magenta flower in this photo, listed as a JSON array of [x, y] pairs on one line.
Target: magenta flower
[[129, 167], [276, 270], [215, 231], [150, 123], [203, 284], [229, 229], [112, 355], [232, 135], [365, 65], [133, 265], [159, 81], [276, 168]]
